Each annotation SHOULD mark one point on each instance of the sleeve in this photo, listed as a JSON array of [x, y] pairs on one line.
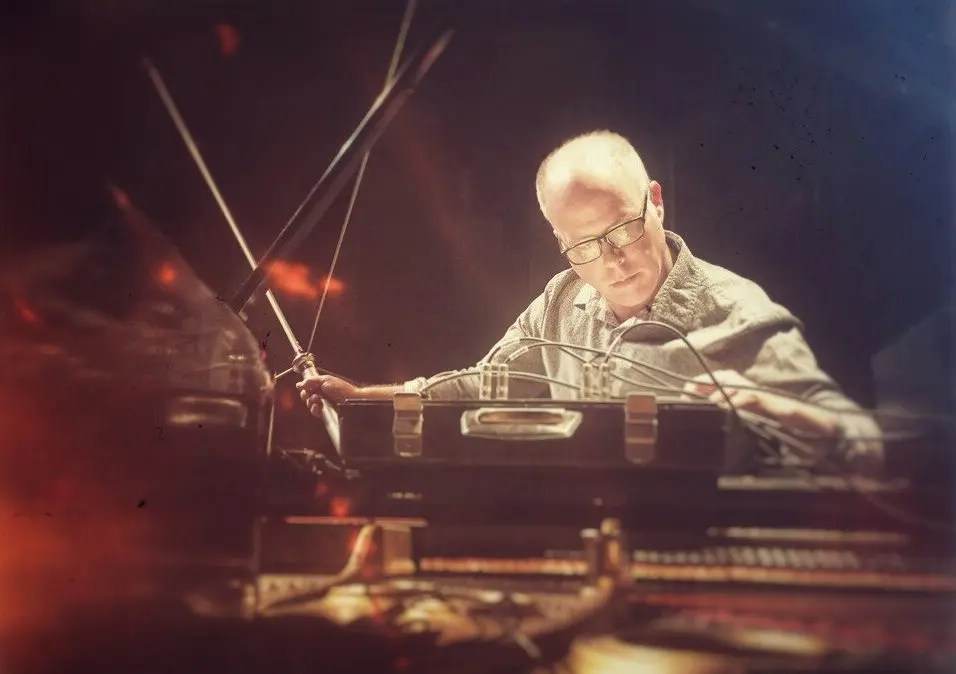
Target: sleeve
[[465, 383], [783, 360]]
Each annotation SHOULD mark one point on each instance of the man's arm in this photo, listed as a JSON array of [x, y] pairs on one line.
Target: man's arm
[[454, 384], [783, 360]]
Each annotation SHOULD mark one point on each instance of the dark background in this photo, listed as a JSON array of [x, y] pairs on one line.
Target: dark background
[[806, 145]]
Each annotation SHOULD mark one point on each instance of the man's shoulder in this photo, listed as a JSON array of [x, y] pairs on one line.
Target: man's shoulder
[[552, 304], [562, 287], [738, 300], [728, 286], [560, 295]]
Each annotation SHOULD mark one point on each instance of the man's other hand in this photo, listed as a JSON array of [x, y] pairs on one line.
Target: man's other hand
[[746, 395], [316, 391]]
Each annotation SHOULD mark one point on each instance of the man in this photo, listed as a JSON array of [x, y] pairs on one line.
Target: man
[[627, 276]]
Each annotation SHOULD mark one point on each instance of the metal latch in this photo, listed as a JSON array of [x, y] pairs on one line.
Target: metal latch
[[493, 381], [595, 381], [640, 427], [501, 381], [407, 424]]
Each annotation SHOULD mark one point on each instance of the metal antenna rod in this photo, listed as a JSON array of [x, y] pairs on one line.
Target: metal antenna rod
[[303, 363], [187, 137], [392, 67]]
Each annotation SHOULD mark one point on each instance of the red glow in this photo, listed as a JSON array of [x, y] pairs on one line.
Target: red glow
[[46, 560], [120, 198], [229, 39], [26, 312]]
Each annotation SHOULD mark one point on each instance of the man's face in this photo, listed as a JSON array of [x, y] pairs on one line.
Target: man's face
[[628, 277]]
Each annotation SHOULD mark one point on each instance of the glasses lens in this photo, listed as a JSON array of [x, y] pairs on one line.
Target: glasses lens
[[584, 252], [625, 233]]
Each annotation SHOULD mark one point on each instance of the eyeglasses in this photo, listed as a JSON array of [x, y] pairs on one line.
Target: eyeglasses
[[618, 236]]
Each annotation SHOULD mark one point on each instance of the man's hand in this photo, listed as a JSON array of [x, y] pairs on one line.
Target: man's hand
[[745, 395], [316, 391]]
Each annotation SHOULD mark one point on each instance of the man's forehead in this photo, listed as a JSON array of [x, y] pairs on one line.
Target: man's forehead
[[570, 231], [585, 188], [583, 207]]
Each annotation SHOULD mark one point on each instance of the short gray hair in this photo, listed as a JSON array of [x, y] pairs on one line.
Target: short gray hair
[[602, 152]]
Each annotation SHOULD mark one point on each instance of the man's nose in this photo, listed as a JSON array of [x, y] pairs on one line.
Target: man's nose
[[612, 256]]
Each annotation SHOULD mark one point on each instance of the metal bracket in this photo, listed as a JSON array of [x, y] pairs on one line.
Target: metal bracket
[[304, 364], [407, 424], [493, 381], [640, 427], [486, 381], [595, 381], [603, 381], [501, 381], [586, 388]]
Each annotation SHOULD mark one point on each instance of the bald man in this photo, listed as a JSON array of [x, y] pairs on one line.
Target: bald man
[[627, 275]]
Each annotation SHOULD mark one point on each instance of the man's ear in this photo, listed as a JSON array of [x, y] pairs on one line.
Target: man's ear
[[656, 193], [656, 198]]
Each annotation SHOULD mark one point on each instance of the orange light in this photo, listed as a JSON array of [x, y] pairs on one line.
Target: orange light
[[286, 401], [166, 274], [336, 286], [340, 506], [294, 279]]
